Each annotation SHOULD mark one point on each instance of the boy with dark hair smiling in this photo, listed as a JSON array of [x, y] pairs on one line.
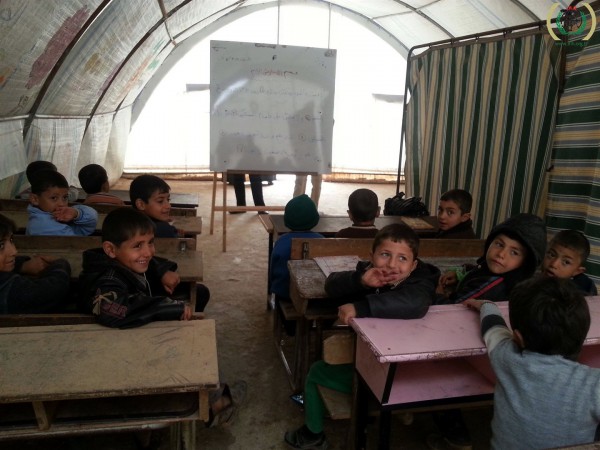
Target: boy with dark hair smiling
[[543, 398], [150, 195], [394, 284], [124, 284]]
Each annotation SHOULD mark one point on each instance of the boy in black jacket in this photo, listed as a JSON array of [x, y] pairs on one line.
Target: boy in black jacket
[[124, 284], [47, 290], [393, 285]]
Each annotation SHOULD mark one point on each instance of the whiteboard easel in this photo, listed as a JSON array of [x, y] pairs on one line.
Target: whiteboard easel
[[226, 208]]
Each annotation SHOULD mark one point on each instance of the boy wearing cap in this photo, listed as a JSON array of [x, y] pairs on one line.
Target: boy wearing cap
[[300, 216]]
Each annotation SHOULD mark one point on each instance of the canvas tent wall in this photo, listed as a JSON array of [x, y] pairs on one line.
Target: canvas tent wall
[[487, 115]]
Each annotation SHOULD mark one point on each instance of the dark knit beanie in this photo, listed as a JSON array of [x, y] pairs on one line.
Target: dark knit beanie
[[300, 214], [529, 230]]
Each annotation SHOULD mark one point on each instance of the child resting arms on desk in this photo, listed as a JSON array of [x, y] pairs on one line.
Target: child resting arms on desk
[[393, 285], [39, 284], [543, 397]]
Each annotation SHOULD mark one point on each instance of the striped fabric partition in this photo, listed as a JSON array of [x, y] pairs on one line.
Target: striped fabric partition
[[481, 117], [574, 189]]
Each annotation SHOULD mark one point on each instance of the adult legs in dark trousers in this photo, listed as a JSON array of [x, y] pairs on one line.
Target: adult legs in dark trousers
[[240, 190]]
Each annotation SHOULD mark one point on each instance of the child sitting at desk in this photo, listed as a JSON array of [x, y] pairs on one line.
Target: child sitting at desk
[[513, 251], [124, 284], [49, 210], [94, 181], [36, 166], [363, 208], [567, 252], [543, 397], [395, 284], [454, 215], [150, 194], [30, 285], [300, 216]]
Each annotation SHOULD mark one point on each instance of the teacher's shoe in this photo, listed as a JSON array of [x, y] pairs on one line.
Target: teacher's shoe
[[305, 439]]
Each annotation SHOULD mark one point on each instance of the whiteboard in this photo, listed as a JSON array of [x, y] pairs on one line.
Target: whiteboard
[[271, 107]]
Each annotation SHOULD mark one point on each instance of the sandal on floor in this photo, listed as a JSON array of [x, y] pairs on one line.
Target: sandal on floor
[[223, 418]]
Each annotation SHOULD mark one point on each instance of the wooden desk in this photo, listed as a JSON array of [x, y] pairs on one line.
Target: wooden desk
[[440, 359], [176, 199], [328, 226], [73, 379], [192, 226], [21, 205], [307, 292]]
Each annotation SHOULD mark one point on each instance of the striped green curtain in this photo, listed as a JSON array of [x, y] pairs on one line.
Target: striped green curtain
[[574, 187], [481, 117]]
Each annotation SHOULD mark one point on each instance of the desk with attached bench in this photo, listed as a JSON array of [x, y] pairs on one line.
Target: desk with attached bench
[[309, 299], [446, 366], [77, 379]]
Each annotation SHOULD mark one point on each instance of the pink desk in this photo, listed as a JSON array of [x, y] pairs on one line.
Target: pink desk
[[437, 360]]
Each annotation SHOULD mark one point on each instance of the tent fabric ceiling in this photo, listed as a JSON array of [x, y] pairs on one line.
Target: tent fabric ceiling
[[72, 62], [88, 57]]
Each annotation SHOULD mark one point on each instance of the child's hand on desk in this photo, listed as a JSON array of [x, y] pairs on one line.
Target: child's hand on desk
[[475, 304], [170, 280], [346, 312], [187, 313]]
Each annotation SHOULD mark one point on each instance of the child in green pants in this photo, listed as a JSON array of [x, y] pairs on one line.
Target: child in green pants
[[394, 284]]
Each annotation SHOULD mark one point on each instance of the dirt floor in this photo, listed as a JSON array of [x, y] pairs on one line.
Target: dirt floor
[[238, 283]]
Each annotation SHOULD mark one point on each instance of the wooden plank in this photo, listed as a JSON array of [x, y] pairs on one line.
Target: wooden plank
[[39, 243], [303, 248], [92, 361], [191, 226], [29, 320], [338, 404], [44, 412], [9, 204]]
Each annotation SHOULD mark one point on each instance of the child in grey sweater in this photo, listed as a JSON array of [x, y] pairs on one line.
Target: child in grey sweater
[[543, 398]]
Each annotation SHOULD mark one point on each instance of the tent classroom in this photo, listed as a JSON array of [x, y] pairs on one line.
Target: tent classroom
[[499, 100]]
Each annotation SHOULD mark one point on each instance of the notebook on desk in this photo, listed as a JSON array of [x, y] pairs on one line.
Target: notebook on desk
[[330, 264], [417, 223]]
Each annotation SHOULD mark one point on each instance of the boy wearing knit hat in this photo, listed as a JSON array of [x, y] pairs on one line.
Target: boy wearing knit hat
[[514, 250], [300, 216]]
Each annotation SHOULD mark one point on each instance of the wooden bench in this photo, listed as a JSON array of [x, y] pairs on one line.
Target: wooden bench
[[9, 204], [310, 248], [39, 243]]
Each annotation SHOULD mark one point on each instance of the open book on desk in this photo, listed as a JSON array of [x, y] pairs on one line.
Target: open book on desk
[[330, 264]]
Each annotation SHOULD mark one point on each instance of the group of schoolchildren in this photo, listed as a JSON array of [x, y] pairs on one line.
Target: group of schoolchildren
[[543, 396]]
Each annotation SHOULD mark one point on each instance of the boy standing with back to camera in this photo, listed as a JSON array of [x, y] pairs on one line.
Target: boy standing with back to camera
[[543, 397]]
